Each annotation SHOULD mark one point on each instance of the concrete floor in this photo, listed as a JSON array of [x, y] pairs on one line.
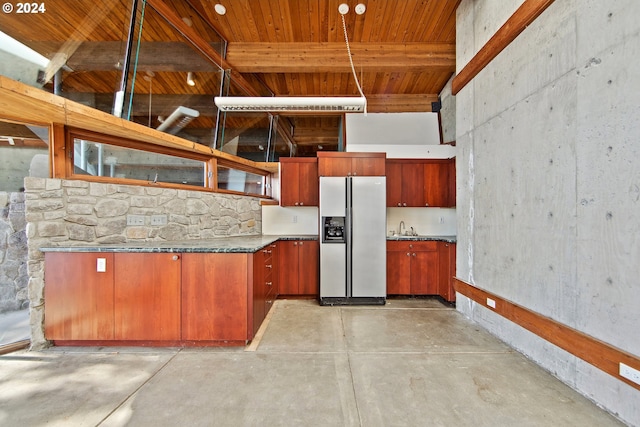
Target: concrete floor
[[409, 363]]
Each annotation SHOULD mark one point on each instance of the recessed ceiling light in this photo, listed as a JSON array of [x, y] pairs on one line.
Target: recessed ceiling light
[[187, 21], [360, 8], [220, 9], [343, 9]]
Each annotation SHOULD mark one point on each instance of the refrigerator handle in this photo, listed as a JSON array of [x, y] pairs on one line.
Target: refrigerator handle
[[349, 231]]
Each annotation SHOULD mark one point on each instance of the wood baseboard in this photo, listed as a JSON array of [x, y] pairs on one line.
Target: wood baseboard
[[15, 346], [593, 351]]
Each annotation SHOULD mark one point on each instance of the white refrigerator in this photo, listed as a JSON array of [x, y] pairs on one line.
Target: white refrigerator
[[353, 252]]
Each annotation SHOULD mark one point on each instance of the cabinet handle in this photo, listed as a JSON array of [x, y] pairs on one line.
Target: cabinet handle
[[414, 254], [268, 266], [404, 204], [410, 246], [296, 203], [426, 204], [399, 204], [269, 302], [348, 173], [175, 257], [266, 251], [269, 283], [301, 203], [355, 173], [301, 243], [295, 243], [408, 254]]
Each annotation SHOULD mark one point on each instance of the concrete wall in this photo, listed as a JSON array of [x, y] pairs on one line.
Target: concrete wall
[[548, 168], [77, 213], [13, 253], [15, 164], [448, 113]]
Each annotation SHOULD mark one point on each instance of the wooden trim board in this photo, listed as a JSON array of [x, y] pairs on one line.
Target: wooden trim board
[[523, 17], [593, 351]]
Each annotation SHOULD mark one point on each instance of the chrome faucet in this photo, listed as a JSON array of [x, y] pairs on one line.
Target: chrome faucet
[[400, 228]]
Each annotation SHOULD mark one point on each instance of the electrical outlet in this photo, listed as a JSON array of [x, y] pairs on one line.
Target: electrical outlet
[[295, 219], [629, 373], [135, 219], [441, 220], [491, 303], [158, 220]]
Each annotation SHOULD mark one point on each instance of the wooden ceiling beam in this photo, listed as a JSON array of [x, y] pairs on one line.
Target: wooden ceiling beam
[[333, 57], [153, 56], [401, 103]]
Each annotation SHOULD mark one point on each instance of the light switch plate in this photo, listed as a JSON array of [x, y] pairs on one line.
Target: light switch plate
[[101, 266]]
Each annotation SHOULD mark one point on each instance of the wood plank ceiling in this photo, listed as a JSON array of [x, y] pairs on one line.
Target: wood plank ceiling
[[403, 53]]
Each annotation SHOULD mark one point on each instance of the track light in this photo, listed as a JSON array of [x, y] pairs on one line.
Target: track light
[[349, 104], [190, 80]]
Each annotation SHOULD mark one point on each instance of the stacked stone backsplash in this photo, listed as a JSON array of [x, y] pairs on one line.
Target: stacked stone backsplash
[[80, 213], [13, 253]]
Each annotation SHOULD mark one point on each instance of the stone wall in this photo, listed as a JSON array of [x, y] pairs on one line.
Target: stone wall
[[13, 253], [80, 213]]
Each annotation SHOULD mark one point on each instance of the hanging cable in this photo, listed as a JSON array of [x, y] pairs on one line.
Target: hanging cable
[[353, 69], [135, 64]]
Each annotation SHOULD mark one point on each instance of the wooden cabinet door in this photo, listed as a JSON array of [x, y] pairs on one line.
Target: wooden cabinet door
[[413, 185], [394, 184], [288, 267], [398, 273], [289, 183], [215, 296], [436, 183], [308, 268], [447, 260], [308, 183], [147, 296], [78, 298], [334, 166], [299, 182], [368, 166], [451, 179], [424, 273]]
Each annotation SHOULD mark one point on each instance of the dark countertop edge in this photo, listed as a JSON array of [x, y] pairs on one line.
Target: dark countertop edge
[[221, 245], [448, 239]]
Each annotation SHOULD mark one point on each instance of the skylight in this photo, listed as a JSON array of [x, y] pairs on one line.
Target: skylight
[[14, 47]]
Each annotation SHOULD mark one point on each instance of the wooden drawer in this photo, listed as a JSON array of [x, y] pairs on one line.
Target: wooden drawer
[[412, 245]]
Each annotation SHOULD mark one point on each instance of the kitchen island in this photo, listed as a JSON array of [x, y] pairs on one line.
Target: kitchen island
[[190, 293]]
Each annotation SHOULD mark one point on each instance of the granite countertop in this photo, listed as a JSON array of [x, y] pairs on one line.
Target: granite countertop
[[231, 244], [449, 239]]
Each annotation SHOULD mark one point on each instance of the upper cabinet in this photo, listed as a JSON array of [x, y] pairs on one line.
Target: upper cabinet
[[338, 163], [299, 181], [420, 183], [436, 183], [405, 183]]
